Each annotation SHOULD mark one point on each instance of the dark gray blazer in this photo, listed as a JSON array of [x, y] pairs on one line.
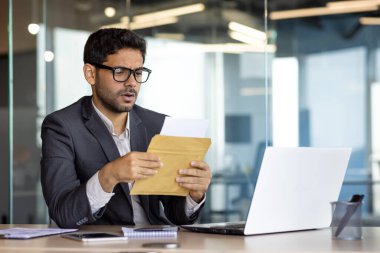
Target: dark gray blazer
[[75, 145]]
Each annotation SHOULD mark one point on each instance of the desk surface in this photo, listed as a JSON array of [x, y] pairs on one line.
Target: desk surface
[[307, 241]]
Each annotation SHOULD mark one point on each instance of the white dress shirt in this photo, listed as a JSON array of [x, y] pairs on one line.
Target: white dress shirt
[[99, 198]]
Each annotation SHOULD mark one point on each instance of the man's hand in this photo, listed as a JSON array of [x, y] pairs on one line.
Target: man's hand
[[128, 168], [197, 179]]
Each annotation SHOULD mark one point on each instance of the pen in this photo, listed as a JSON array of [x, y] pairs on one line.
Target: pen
[[350, 210]]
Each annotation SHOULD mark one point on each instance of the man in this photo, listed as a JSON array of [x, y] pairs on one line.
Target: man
[[94, 149]]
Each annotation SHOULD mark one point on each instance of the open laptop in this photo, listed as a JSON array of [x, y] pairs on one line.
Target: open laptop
[[293, 192]]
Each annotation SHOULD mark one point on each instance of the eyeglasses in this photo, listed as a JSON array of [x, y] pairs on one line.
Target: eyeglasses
[[122, 74]]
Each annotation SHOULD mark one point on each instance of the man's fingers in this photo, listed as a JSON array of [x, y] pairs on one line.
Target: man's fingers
[[200, 165], [197, 178], [193, 180], [149, 164], [147, 172], [195, 172], [137, 165], [144, 156], [194, 187]]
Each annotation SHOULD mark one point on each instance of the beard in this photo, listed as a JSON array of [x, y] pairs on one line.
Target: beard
[[110, 100]]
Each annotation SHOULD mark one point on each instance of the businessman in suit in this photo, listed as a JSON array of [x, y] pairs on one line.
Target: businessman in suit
[[94, 149]]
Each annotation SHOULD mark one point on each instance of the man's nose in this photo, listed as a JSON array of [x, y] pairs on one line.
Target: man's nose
[[131, 81]]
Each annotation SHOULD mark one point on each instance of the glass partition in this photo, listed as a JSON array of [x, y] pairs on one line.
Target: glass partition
[[335, 58], [260, 76], [198, 66]]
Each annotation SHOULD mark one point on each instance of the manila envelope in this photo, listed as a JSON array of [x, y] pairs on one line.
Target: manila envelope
[[176, 153]]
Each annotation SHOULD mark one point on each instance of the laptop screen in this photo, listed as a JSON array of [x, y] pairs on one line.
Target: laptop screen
[[295, 187], [293, 192]]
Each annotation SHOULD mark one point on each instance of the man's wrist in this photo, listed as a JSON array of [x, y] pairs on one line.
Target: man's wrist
[[96, 195], [106, 179], [197, 197]]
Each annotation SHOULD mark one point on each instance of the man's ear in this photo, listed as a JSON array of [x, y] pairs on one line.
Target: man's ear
[[89, 73]]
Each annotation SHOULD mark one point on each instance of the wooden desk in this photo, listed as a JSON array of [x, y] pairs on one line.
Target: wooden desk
[[308, 241]]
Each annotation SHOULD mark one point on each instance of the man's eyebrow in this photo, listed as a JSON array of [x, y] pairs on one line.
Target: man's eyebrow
[[128, 67]]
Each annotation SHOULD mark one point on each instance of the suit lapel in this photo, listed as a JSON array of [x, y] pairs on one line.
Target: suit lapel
[[138, 134], [96, 126], [138, 139], [139, 142]]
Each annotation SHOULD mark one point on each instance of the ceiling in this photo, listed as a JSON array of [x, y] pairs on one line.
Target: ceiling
[[208, 26]]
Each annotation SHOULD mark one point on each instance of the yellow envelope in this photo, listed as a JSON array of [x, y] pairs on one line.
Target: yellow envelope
[[176, 153]]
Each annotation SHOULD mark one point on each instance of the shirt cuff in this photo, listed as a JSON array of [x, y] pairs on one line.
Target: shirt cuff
[[191, 206], [95, 194]]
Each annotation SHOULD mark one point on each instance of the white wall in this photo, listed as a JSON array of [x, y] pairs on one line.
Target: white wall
[[70, 84]]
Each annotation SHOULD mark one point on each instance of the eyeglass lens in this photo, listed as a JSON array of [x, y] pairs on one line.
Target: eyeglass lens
[[122, 74]]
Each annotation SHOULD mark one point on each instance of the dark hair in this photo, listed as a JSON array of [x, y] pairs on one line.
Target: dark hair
[[108, 41]]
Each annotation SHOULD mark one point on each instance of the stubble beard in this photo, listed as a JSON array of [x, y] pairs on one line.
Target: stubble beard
[[109, 100]]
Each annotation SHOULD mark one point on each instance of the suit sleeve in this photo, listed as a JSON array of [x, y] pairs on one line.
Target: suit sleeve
[[64, 194]]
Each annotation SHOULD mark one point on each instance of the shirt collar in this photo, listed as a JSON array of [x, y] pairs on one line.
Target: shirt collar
[[108, 122]]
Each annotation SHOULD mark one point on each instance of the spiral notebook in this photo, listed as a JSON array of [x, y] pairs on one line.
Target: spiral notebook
[[28, 233], [150, 232]]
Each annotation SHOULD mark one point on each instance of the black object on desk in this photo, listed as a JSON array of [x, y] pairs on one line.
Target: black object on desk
[[165, 245], [357, 198]]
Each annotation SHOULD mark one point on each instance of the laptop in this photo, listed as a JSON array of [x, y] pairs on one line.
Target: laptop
[[293, 192]]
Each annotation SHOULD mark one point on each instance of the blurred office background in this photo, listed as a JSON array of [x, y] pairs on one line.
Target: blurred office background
[[263, 72]]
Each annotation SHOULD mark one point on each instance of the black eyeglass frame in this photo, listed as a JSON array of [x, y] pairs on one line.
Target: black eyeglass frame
[[131, 71]]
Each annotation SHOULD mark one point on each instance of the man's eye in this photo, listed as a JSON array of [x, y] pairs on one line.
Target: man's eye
[[119, 71], [139, 72]]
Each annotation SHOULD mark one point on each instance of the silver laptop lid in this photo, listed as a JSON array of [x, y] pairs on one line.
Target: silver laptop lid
[[295, 187]]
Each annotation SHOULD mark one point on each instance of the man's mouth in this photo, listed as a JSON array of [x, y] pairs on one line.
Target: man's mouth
[[128, 96]]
